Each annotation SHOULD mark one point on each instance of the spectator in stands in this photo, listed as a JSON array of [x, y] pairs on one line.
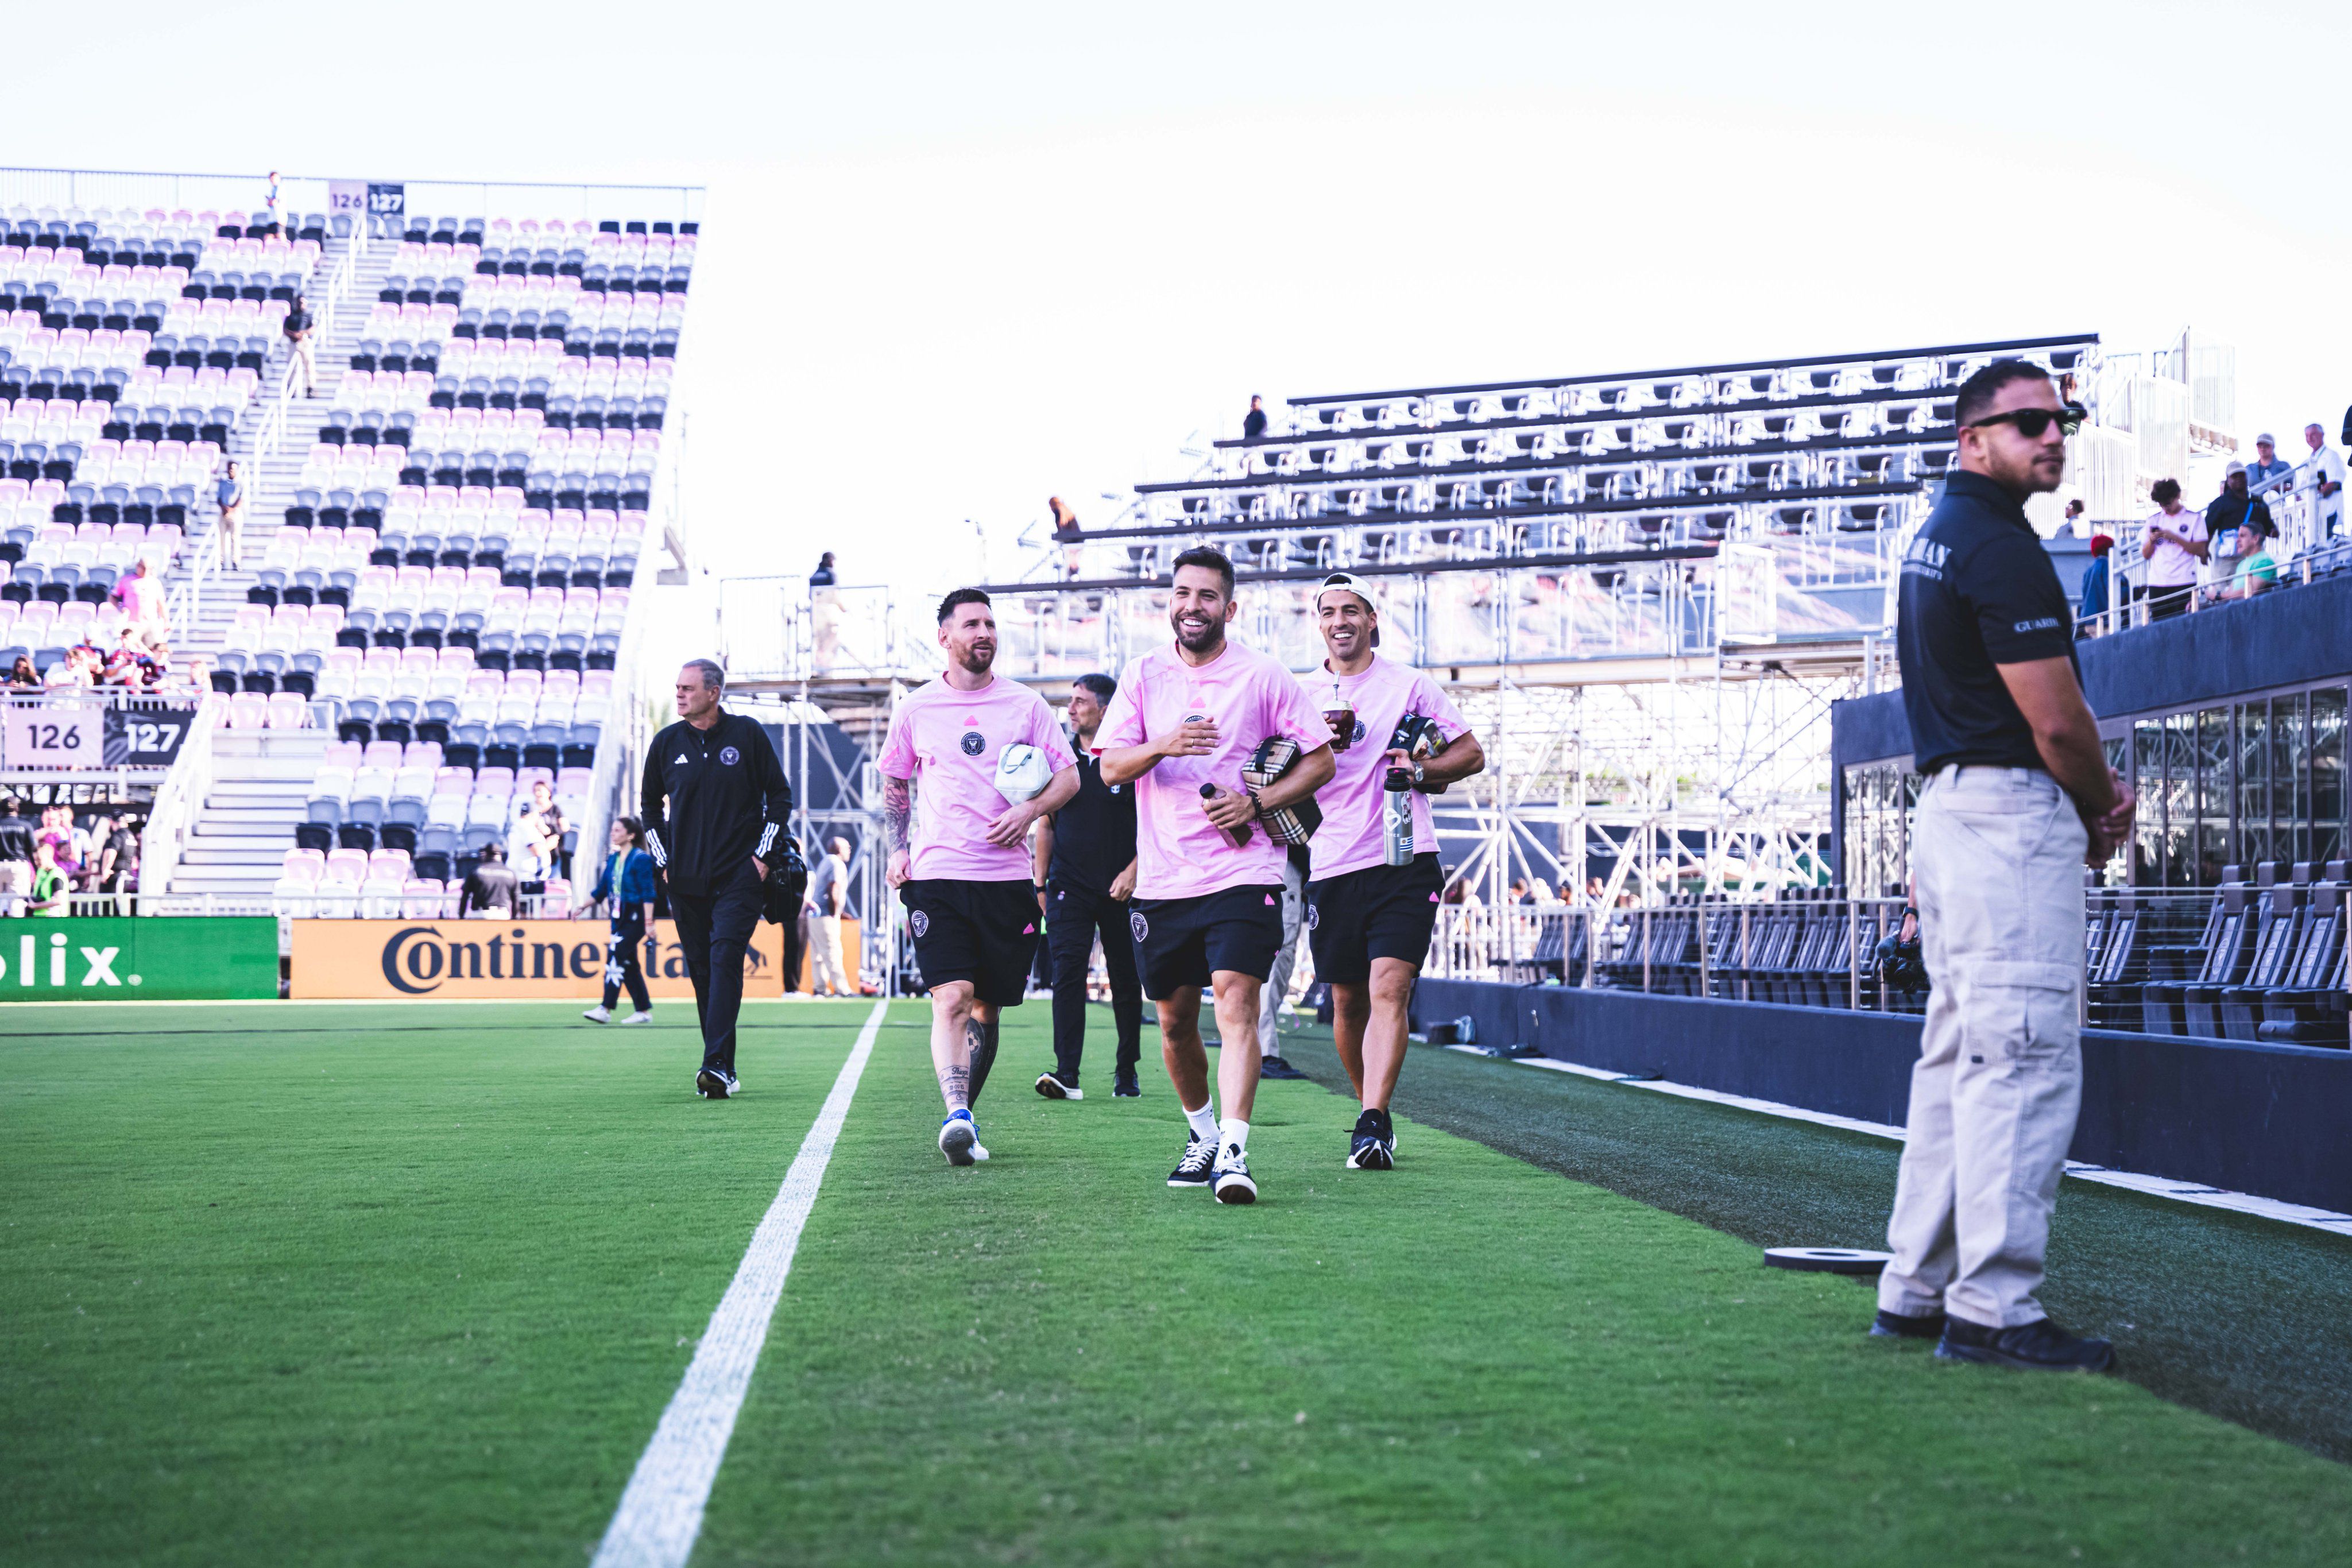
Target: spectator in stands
[[230, 494], [489, 890], [73, 670], [1067, 533], [48, 884], [299, 358], [2252, 570], [2321, 478], [123, 666], [58, 835], [2018, 798], [2076, 526], [1521, 891], [2236, 524], [94, 868], [822, 576], [1253, 421], [2091, 620], [1595, 890], [2172, 542], [2268, 466], [15, 857], [23, 678], [139, 593]]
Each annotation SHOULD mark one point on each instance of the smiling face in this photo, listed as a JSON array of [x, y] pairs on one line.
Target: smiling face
[[968, 635], [1345, 622], [1199, 607], [2022, 464]]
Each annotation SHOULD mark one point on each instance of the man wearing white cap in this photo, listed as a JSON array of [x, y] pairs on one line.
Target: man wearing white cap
[[990, 760], [1369, 908]]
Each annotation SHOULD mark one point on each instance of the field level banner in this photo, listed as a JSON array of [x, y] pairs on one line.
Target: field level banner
[[496, 958], [199, 958]]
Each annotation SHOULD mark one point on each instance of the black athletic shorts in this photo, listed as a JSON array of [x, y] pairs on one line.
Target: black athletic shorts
[[1380, 911], [1181, 942], [984, 932]]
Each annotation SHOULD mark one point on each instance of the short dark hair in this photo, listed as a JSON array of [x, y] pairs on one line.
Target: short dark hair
[[1979, 390], [1102, 687], [2164, 491], [1207, 555], [961, 596], [635, 829], [494, 851]]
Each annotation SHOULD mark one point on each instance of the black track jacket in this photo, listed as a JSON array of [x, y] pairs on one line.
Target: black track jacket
[[713, 798]]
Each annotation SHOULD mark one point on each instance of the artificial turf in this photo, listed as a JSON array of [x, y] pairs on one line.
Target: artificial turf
[[1050, 1358]]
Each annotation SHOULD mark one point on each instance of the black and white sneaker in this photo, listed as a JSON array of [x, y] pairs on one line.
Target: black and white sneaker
[[712, 1084], [1051, 1085], [1274, 1067], [1370, 1147], [1232, 1178], [1193, 1170], [959, 1138], [1123, 1086]]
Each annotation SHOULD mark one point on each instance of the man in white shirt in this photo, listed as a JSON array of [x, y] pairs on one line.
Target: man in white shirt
[[2320, 480], [2172, 542]]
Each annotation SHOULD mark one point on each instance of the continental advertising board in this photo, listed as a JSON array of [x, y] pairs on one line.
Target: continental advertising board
[[498, 959], [159, 958]]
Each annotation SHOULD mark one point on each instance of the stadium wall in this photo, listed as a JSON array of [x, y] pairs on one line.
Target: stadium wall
[[2262, 1119]]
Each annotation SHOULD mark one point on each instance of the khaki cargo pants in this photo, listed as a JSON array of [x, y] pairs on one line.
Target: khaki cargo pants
[[1997, 852]]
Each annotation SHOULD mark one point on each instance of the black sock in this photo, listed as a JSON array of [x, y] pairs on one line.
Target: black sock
[[983, 1057]]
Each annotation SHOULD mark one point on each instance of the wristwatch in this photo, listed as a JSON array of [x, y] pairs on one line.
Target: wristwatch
[[1420, 775]]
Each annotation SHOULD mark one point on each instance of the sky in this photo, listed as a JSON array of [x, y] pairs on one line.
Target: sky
[[959, 258]]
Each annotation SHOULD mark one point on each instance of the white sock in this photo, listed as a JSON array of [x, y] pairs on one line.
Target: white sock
[[1205, 1122], [1236, 1133]]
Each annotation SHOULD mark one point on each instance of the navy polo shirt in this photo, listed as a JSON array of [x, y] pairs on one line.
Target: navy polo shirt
[[1978, 590], [1093, 832]]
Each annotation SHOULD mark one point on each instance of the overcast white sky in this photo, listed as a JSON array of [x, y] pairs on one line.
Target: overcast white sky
[[960, 258]]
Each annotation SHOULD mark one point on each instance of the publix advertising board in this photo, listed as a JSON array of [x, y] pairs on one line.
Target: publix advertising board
[[199, 958]]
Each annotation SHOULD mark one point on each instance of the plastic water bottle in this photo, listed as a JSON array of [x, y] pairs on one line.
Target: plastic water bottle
[[1396, 817]]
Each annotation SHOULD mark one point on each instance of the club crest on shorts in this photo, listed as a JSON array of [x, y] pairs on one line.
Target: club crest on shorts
[[730, 755], [920, 922], [973, 743], [1314, 915], [1138, 924]]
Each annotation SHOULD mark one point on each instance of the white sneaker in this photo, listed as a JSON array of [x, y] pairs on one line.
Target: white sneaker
[[632, 1018], [597, 1015], [958, 1139]]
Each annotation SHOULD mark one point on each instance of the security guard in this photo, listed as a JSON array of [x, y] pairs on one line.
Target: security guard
[[2018, 798], [1085, 870], [715, 804]]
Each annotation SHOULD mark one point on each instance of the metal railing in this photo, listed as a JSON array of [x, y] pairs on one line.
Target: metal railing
[[171, 818], [312, 194]]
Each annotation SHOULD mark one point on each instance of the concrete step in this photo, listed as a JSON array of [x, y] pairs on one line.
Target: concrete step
[[268, 857], [223, 843], [233, 822], [229, 886]]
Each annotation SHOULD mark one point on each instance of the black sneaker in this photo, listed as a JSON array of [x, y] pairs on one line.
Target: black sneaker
[[1896, 1325], [1054, 1087], [1123, 1086], [1274, 1067], [1234, 1184], [710, 1084], [1193, 1170], [1369, 1148], [2038, 1346]]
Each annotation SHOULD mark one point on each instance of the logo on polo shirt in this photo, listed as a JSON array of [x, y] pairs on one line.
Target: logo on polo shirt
[[920, 922], [2047, 623], [973, 743], [1138, 924], [730, 755]]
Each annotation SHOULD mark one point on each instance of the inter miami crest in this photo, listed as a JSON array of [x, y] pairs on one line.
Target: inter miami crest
[[1313, 915], [730, 755], [920, 922], [1138, 924], [973, 744]]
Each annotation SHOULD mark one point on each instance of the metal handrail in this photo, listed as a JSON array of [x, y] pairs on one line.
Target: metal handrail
[[171, 818]]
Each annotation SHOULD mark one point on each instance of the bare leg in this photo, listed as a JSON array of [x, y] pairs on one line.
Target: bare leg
[[952, 1027], [980, 1031], [1180, 1048], [1237, 1063], [1382, 1043], [1352, 1010]]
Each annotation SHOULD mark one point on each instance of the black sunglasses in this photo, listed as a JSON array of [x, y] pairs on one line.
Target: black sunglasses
[[2032, 422]]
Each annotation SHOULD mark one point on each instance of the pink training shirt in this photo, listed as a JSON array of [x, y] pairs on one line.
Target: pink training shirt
[[1179, 852], [1350, 837], [949, 742]]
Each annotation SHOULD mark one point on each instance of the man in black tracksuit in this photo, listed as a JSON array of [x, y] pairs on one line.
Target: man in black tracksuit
[[715, 804], [1085, 856]]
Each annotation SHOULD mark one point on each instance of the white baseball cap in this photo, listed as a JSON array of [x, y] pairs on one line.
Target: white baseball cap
[[1356, 585]]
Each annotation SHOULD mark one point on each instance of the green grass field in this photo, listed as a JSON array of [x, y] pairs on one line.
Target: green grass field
[[308, 1284]]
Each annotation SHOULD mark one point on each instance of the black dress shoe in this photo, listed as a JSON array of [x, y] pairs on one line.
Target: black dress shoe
[[1894, 1325], [1274, 1067], [2038, 1346]]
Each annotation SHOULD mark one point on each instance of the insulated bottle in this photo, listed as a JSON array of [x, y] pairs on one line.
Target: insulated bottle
[[1396, 816]]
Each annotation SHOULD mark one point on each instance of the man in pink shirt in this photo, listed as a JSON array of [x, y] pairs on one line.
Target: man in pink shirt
[[1207, 909], [959, 855], [1367, 922]]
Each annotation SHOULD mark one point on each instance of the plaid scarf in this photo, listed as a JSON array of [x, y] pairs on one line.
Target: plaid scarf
[[1292, 824]]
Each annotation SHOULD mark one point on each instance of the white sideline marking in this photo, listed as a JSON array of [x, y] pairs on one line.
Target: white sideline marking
[[2173, 1188], [661, 1510]]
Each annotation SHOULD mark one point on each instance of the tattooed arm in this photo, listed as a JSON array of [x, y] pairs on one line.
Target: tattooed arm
[[897, 824]]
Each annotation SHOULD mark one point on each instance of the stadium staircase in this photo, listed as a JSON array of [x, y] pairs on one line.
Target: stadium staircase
[[260, 779]]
